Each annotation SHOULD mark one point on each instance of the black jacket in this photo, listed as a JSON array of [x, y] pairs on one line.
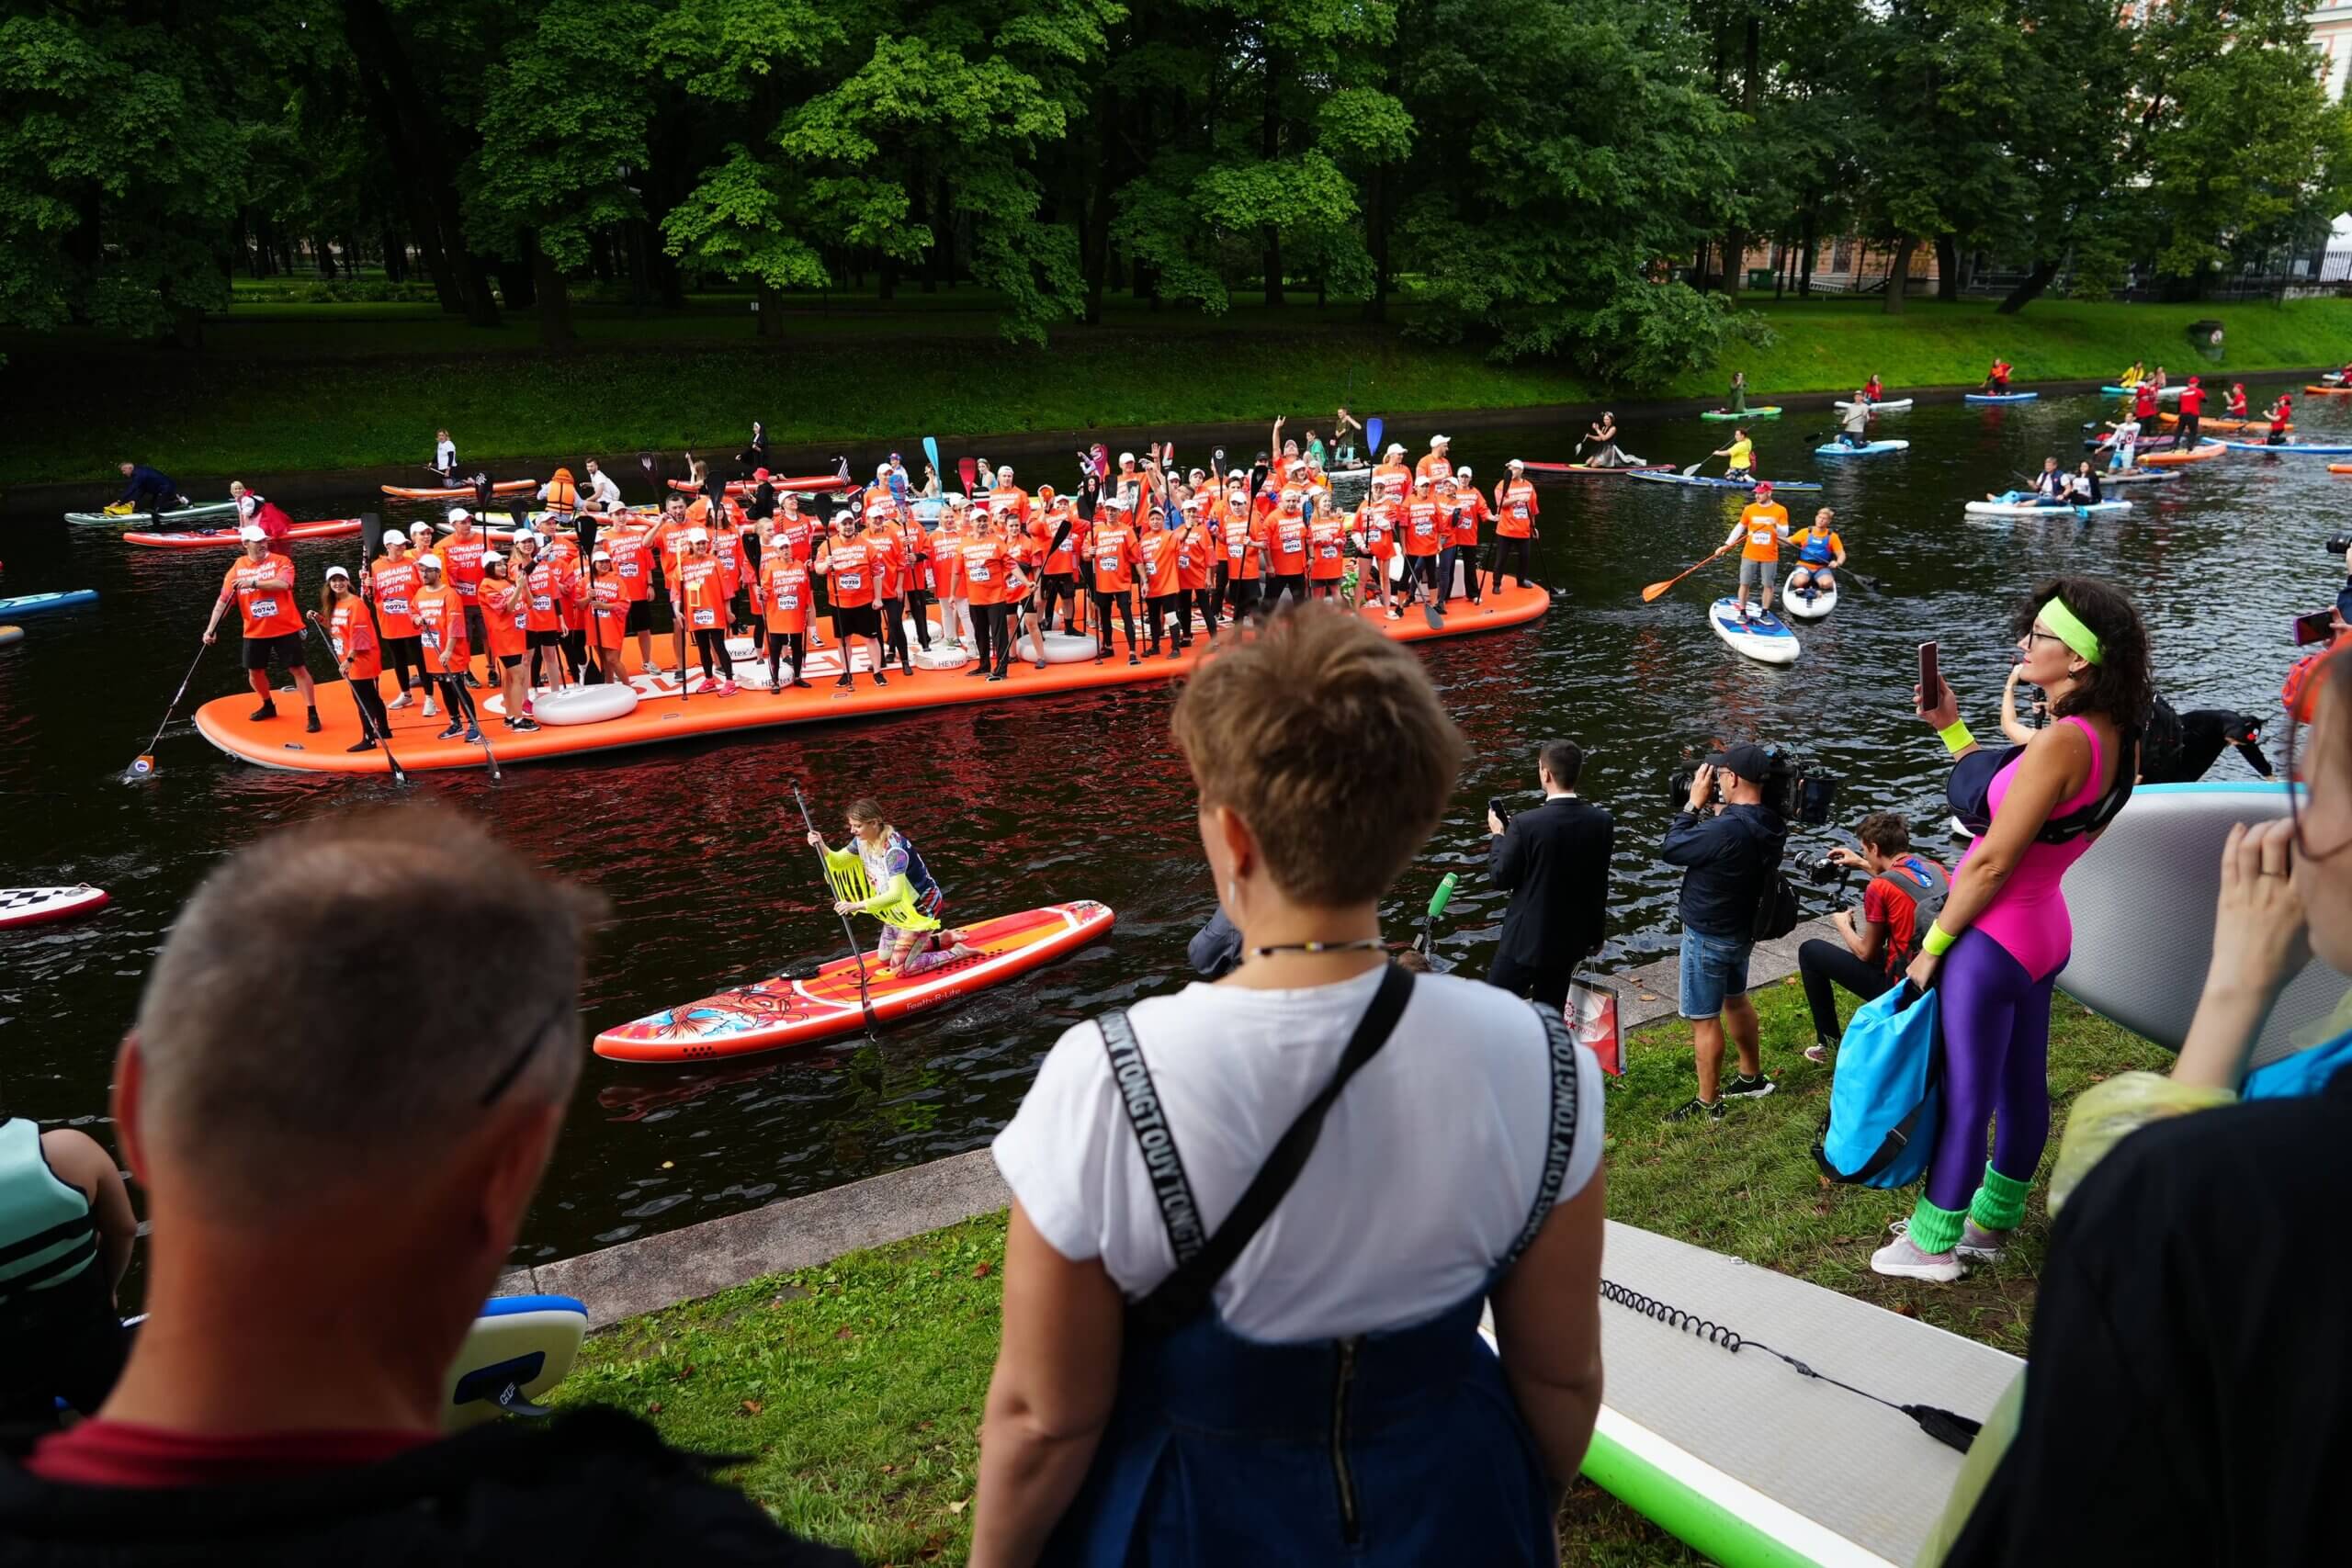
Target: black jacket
[[591, 1487], [1728, 860], [1554, 862]]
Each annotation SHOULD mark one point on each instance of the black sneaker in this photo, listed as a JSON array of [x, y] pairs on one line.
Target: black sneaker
[[1697, 1109], [880, 679], [367, 745], [267, 710], [310, 726], [1132, 659], [1742, 1087], [527, 724], [977, 672], [799, 684], [845, 682]]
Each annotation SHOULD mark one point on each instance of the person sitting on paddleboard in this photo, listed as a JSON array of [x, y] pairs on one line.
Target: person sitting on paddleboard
[[1738, 402], [261, 585], [2133, 377], [2049, 487], [1603, 437], [2082, 487], [603, 494], [1873, 390], [1996, 380], [1854, 423], [1819, 553], [1763, 523], [1742, 456], [901, 882]]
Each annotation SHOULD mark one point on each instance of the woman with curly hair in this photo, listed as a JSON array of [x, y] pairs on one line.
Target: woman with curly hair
[[2004, 933]]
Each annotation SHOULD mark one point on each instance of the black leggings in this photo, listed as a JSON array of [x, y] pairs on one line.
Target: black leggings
[[1169, 610], [1821, 965], [1060, 588], [460, 701], [711, 643], [402, 654], [893, 634], [374, 723], [1292, 584], [919, 611], [1506, 550], [990, 634], [1241, 593], [1419, 570], [1103, 603], [780, 643], [1207, 598]]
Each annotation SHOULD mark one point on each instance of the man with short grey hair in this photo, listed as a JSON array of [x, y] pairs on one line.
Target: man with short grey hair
[[338, 1151]]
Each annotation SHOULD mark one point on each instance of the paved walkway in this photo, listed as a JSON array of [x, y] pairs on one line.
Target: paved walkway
[[657, 1271]]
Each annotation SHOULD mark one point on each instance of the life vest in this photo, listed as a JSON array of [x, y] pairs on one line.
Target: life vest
[[1815, 550], [1927, 886], [562, 495], [1969, 789], [47, 1235]]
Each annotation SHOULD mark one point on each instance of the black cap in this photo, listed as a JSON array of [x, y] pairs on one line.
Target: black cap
[[1748, 760]]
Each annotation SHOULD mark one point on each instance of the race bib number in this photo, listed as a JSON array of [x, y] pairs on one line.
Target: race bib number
[[542, 602], [629, 568], [850, 582], [429, 637], [1518, 510], [340, 651], [1759, 536], [705, 618], [980, 572], [263, 609], [789, 599], [396, 605], [466, 591]]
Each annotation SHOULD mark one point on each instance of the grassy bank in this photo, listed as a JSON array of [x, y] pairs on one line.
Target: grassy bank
[[304, 388], [857, 1389]]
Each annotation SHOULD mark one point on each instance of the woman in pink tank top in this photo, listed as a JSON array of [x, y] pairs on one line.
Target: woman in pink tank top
[[2004, 934]]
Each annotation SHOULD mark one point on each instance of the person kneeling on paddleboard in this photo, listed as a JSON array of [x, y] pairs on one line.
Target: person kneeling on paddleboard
[[1741, 456], [1819, 552], [1601, 436], [1762, 524], [1996, 380], [903, 886], [2082, 487], [262, 587]]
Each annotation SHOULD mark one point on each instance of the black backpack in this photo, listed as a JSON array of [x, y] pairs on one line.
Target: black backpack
[[1776, 911]]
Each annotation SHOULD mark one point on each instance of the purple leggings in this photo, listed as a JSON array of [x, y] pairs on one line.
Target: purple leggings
[[1996, 1068]]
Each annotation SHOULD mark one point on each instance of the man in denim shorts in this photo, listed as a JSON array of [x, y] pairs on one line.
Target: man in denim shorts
[[1729, 844]]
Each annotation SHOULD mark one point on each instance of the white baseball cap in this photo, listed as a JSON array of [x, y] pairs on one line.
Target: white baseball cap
[[1440, 440], [391, 535], [338, 571], [1514, 463], [1462, 472], [490, 555], [1396, 449], [460, 514], [251, 531], [1126, 456], [697, 536], [525, 537], [428, 563], [600, 554]]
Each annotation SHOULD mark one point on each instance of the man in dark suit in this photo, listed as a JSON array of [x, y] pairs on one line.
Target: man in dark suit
[[1554, 862]]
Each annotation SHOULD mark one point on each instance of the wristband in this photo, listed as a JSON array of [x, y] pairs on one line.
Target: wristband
[[1938, 942], [1955, 737]]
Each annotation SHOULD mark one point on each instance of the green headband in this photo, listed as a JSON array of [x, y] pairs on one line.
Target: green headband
[[2069, 629]]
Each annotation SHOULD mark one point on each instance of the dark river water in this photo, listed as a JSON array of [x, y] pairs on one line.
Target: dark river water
[[1035, 801]]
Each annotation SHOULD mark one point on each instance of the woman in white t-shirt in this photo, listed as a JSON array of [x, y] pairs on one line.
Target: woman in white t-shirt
[[1308, 1384]]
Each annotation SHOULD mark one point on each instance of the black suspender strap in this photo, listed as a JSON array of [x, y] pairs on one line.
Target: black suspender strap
[[1185, 1293], [1561, 1146]]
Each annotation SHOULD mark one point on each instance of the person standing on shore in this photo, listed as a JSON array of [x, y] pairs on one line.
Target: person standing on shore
[[1554, 862]]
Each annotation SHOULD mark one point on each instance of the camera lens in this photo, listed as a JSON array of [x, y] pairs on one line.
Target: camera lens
[[2338, 543]]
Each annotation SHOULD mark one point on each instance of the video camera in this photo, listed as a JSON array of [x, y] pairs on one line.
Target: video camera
[[2339, 543], [1790, 792]]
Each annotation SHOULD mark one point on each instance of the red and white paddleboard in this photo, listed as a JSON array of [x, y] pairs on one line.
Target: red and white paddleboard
[[197, 539], [771, 1013], [31, 905]]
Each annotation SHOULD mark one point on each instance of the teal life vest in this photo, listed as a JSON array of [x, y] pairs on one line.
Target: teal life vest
[[47, 1235]]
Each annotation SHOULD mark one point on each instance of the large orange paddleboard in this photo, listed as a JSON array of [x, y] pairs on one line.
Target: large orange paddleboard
[[769, 1014], [2174, 458], [662, 715], [457, 492]]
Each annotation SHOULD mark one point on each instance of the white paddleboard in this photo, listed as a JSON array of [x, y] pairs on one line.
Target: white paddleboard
[[2037, 509], [585, 704], [33, 906], [2163, 853], [1885, 405], [519, 1348], [1799, 607], [1763, 637]]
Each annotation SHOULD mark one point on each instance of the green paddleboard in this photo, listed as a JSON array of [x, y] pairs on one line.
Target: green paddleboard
[[1769, 411]]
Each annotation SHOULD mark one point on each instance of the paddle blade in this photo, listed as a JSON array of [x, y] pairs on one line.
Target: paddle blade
[[371, 535], [1372, 434], [930, 451], [1692, 468], [1444, 894], [1656, 590], [968, 471], [141, 766]]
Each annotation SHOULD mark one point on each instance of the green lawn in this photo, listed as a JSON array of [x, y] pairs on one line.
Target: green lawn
[[857, 1389]]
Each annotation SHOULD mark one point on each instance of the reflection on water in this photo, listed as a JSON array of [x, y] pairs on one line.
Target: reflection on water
[[1081, 796]]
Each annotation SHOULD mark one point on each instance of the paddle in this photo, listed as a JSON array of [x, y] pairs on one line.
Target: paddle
[[1657, 590], [366, 724], [144, 764], [1438, 901], [969, 470], [855, 952], [1372, 437], [1694, 467], [930, 451]]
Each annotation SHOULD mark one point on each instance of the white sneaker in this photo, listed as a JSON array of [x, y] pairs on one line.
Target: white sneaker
[[1975, 1243], [1901, 1258], [430, 711], [404, 700]]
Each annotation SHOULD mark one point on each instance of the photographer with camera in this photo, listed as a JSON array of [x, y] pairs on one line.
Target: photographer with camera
[[1731, 859], [1905, 892], [1554, 862]]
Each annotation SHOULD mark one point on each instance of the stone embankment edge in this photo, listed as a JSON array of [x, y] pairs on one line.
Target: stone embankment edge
[[657, 1271], [817, 456]]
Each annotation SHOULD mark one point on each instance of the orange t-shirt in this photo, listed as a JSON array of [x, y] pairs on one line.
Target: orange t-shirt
[[1160, 550], [1197, 547], [849, 569], [1011, 504], [784, 594], [1115, 557], [1433, 469], [504, 609], [1287, 533], [355, 639], [1422, 526], [985, 562], [631, 566], [792, 534], [1326, 539], [1762, 523], [461, 563], [1518, 518], [395, 584], [547, 592], [1242, 536], [1470, 510], [702, 593], [1392, 473], [888, 548], [268, 611], [608, 600], [947, 561], [441, 627]]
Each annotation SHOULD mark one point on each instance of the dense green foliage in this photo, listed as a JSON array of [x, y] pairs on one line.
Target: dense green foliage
[[1552, 178]]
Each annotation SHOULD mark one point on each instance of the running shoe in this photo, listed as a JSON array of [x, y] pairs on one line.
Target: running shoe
[[1131, 657], [430, 711], [977, 672], [452, 732], [366, 745], [526, 723], [472, 735], [798, 684], [310, 725], [1697, 1109], [1819, 1050], [880, 679], [269, 710], [845, 682], [1975, 1241], [1744, 1086], [1901, 1260], [726, 688], [404, 700], [708, 685]]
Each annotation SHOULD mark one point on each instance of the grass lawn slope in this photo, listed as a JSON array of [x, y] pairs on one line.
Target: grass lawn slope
[[854, 1390]]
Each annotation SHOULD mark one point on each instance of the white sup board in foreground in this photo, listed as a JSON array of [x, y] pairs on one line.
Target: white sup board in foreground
[[1763, 636], [1745, 1459]]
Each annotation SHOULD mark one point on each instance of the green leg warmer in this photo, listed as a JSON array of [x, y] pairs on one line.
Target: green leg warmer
[[1999, 1204], [1934, 1230]]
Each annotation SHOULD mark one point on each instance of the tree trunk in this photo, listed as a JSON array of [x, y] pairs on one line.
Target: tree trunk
[[1897, 272], [1735, 261], [1270, 147], [553, 296], [1948, 268], [888, 288], [395, 256], [408, 129], [2044, 274], [1804, 265], [769, 322]]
